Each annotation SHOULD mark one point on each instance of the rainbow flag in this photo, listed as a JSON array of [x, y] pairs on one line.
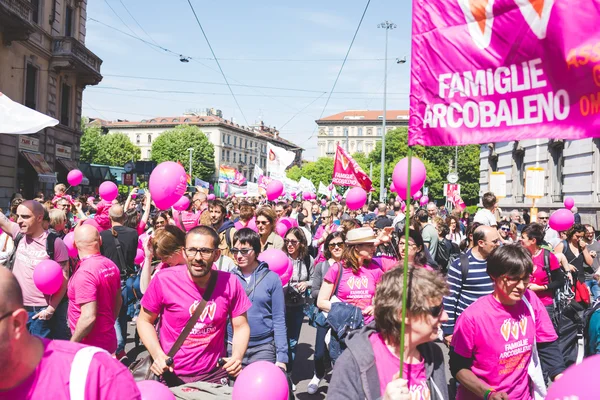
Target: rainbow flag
[[226, 173]]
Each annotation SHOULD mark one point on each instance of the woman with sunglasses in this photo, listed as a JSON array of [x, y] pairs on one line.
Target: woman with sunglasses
[[161, 220], [493, 339], [369, 367], [295, 291], [332, 250], [265, 223], [167, 245], [268, 340]]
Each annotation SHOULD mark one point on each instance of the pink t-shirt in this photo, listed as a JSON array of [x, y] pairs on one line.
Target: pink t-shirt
[[141, 228], [189, 219], [356, 289], [29, 254], [96, 279], [251, 224], [174, 296], [106, 379], [540, 277], [388, 364], [499, 339], [102, 217]]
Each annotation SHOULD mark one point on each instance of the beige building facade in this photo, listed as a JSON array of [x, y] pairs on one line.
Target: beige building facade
[[44, 65], [363, 128]]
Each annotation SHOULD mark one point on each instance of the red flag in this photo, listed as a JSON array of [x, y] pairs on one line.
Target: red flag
[[347, 172]]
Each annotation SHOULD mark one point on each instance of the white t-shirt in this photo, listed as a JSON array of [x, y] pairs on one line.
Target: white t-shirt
[[485, 217]]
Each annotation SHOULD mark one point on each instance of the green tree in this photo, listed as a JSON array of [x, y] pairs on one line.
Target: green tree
[[90, 141], [318, 171], [116, 149], [172, 145]]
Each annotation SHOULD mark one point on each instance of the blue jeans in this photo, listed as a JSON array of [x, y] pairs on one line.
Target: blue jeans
[[594, 288], [320, 351], [261, 352], [58, 323], [121, 322], [38, 327], [294, 317]]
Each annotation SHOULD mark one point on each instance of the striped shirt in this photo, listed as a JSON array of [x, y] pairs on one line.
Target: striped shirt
[[477, 284]]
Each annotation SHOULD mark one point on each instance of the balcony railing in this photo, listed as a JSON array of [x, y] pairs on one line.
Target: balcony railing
[[15, 18], [69, 53]]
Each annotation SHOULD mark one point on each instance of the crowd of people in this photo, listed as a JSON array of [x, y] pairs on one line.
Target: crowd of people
[[495, 289]]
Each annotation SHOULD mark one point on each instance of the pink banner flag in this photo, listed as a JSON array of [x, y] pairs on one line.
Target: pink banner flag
[[347, 172], [499, 70]]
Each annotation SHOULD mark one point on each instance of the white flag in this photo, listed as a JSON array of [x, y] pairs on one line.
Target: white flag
[[252, 190], [17, 119], [257, 172], [306, 185], [323, 189], [278, 159]]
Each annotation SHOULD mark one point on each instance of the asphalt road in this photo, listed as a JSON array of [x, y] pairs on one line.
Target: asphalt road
[[303, 366]]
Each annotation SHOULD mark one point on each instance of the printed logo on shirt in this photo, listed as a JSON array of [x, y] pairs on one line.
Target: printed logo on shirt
[[358, 283], [209, 310], [419, 392], [512, 328], [518, 347]]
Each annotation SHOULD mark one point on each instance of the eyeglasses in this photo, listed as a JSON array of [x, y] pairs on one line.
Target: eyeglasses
[[436, 311], [8, 314], [339, 245], [243, 252], [513, 281], [192, 252], [505, 229], [291, 241], [262, 222]]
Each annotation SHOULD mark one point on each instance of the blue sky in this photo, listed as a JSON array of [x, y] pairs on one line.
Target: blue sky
[[247, 37]]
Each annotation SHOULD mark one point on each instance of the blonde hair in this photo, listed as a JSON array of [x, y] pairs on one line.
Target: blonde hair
[[57, 217], [60, 187], [268, 213], [167, 241]]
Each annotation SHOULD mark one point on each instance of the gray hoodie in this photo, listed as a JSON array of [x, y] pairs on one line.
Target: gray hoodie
[[355, 374]]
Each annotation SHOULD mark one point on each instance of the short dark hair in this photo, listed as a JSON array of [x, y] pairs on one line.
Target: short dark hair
[[478, 234], [218, 203], [534, 231], [511, 260], [422, 215], [488, 200], [205, 230], [328, 239], [248, 236], [576, 228]]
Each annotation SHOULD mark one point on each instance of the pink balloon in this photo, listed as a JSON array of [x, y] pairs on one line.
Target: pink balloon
[[139, 256], [330, 187], [281, 228], [182, 204], [393, 188], [259, 381], [306, 195], [356, 198], [417, 195], [569, 203], [313, 196], [48, 276], [339, 197], [134, 196], [245, 193], [293, 194], [274, 190], [74, 177], [576, 383], [285, 221], [323, 202], [108, 191], [92, 222], [211, 197], [400, 176], [154, 390], [561, 220], [91, 198], [424, 200], [276, 259], [167, 184], [287, 275], [69, 241]]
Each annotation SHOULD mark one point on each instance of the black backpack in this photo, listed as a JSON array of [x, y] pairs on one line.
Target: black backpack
[[447, 252], [10, 263]]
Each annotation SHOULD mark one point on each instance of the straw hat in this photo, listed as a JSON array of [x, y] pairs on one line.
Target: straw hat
[[360, 235]]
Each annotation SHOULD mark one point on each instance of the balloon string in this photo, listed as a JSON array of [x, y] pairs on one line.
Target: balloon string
[[405, 273]]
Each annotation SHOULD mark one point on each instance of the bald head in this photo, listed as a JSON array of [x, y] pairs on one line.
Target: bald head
[[36, 208], [87, 240], [11, 296], [117, 213], [30, 216]]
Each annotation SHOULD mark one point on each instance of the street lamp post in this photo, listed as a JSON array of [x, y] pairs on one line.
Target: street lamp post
[[191, 150], [387, 25]]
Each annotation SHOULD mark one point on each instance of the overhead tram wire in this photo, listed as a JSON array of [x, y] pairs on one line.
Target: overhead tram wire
[[341, 68], [136, 21], [217, 61], [298, 113]]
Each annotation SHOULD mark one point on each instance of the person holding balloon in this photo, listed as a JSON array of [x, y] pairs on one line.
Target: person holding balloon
[[265, 222], [266, 317], [369, 367], [575, 250]]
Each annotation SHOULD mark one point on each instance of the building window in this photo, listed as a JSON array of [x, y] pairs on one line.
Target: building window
[[245, 158], [370, 131], [223, 138], [555, 148], [235, 141], [246, 143], [137, 139], [149, 139], [360, 132], [234, 157], [149, 154], [359, 146], [346, 131], [35, 11], [222, 154], [65, 104], [31, 87], [228, 139], [330, 132], [378, 131], [69, 21], [330, 147], [228, 155]]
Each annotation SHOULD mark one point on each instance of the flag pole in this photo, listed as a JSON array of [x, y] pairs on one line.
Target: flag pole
[[405, 273]]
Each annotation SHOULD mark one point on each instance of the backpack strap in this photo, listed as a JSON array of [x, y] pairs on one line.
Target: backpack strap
[[79, 371], [338, 279], [464, 267], [10, 263], [123, 266], [250, 290], [547, 264], [50, 240]]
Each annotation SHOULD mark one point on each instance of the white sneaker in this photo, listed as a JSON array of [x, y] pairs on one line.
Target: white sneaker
[[293, 387], [313, 385]]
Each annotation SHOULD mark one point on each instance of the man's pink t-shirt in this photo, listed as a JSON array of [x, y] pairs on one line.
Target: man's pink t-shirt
[[107, 378], [174, 296], [190, 219], [388, 365], [540, 277], [96, 279], [499, 340], [356, 289], [29, 254], [102, 217], [251, 224]]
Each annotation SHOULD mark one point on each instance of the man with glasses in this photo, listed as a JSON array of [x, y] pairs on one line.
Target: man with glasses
[[464, 290], [32, 366], [174, 294], [550, 235]]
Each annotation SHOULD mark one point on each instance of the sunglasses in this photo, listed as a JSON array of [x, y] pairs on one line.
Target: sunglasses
[[436, 311], [243, 252], [262, 222], [292, 242], [505, 229], [543, 217], [339, 245]]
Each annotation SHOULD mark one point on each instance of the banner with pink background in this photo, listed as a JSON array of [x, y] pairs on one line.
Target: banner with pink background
[[499, 70]]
